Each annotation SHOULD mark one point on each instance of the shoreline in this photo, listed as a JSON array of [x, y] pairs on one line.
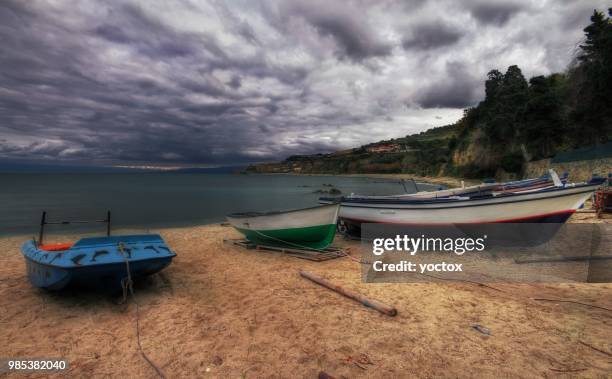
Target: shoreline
[[448, 181]]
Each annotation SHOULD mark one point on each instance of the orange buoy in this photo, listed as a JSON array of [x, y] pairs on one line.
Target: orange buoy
[[56, 246]]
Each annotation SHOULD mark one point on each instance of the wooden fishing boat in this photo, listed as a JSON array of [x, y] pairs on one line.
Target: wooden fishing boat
[[480, 189], [547, 205], [309, 228], [548, 180], [96, 262]]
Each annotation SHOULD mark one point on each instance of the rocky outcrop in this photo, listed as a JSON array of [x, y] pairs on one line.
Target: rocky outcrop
[[578, 170]]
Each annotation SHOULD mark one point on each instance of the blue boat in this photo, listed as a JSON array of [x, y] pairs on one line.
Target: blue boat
[[95, 262]]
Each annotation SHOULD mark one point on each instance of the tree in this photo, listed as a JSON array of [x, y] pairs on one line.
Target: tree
[[492, 85], [592, 114], [595, 39], [544, 122], [506, 107]]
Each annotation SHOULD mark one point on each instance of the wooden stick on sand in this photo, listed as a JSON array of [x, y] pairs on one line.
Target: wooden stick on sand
[[382, 308]]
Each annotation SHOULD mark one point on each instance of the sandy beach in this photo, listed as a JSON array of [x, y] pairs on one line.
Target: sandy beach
[[222, 311]]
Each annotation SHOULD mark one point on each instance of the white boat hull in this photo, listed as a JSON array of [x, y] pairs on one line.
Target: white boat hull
[[300, 218], [310, 228], [545, 206]]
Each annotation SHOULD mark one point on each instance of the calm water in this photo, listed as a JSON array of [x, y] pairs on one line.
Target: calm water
[[149, 200]]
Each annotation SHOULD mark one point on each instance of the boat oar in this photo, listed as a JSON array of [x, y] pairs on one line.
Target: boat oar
[[375, 304]]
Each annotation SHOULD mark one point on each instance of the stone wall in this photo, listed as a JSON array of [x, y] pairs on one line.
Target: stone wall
[[578, 170]]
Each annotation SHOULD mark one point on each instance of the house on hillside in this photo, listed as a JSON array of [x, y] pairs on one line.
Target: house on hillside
[[390, 147]]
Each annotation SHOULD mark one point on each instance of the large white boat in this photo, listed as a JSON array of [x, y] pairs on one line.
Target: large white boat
[[549, 180], [554, 204], [480, 189]]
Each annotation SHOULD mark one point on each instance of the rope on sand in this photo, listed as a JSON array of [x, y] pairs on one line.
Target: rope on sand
[[595, 348], [287, 242], [344, 252], [127, 284], [573, 302]]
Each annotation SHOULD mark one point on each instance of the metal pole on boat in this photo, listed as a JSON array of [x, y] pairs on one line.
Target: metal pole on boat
[[414, 184], [108, 223], [42, 227]]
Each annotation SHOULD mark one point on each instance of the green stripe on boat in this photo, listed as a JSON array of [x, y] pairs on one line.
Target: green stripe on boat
[[311, 237]]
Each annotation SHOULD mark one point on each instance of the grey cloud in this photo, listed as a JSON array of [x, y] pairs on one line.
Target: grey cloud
[[495, 13], [151, 37], [459, 88], [112, 33], [431, 36], [239, 26], [346, 25], [235, 82], [575, 13]]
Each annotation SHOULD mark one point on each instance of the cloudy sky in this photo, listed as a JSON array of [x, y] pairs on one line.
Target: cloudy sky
[[215, 82]]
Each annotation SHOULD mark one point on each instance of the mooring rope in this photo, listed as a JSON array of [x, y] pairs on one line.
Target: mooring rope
[[127, 285], [288, 242], [343, 251]]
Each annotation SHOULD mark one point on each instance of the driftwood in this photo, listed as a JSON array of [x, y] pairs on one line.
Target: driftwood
[[382, 308]]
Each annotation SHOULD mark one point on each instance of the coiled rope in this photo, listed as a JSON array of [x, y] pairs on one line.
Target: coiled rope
[[127, 285]]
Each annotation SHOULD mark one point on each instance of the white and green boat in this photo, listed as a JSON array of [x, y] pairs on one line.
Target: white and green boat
[[308, 228]]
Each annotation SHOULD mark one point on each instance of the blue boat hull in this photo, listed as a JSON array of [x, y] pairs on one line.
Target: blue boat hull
[[103, 277], [96, 263]]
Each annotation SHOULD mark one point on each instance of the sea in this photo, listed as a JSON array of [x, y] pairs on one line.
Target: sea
[[156, 200]]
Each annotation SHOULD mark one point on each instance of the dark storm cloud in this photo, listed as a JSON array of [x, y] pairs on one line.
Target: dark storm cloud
[[495, 13], [112, 33], [211, 83], [431, 36], [77, 103], [458, 89], [235, 82], [346, 25]]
